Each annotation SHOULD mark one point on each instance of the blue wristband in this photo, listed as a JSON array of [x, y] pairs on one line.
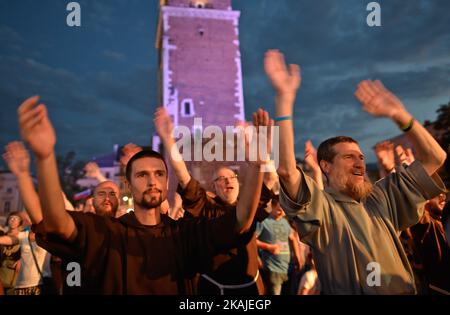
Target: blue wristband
[[283, 118]]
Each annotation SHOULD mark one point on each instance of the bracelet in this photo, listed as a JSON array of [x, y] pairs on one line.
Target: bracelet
[[283, 118], [408, 126]]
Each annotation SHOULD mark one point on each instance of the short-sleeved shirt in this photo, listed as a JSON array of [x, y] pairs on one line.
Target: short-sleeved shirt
[[122, 256], [355, 244], [275, 232]]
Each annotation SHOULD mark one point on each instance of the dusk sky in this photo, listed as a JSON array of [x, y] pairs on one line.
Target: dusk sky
[[99, 80]]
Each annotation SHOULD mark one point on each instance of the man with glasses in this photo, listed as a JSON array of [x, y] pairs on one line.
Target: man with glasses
[[234, 271]]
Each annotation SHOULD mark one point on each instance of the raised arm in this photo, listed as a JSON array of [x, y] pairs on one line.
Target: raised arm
[[311, 161], [403, 156], [379, 101], [92, 170], [384, 152], [251, 191], [18, 160], [164, 128], [293, 236], [286, 82], [37, 130]]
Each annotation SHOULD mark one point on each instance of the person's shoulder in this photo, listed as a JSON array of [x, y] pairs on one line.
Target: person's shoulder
[[92, 219]]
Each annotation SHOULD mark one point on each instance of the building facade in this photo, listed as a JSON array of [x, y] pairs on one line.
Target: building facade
[[200, 73]]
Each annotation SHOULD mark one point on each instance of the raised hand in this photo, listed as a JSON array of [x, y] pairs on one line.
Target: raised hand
[[36, 128], [127, 153], [262, 137], [92, 170], [163, 124], [379, 101], [404, 156], [17, 158], [384, 152], [311, 156], [285, 80]]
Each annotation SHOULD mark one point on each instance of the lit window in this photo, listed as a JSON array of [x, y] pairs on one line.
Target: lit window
[[200, 4]]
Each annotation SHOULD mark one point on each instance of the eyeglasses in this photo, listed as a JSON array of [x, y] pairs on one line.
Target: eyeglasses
[[103, 194], [14, 217], [223, 178]]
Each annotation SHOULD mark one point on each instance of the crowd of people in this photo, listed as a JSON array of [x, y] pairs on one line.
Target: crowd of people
[[324, 228]]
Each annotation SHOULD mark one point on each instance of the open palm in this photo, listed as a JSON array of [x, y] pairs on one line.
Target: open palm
[[17, 158], [36, 128], [163, 123], [284, 79], [377, 100]]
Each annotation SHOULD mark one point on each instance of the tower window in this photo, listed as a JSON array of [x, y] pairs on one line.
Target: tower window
[[199, 4], [187, 108], [7, 207]]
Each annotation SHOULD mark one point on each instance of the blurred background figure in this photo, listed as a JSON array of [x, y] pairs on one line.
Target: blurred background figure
[[273, 236], [10, 254]]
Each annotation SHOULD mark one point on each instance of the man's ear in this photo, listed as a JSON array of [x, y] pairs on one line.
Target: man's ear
[[325, 166]]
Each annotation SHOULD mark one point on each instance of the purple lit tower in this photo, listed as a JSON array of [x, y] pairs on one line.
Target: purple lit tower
[[200, 68]]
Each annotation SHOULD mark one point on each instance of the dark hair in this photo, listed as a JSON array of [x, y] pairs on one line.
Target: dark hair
[[140, 155], [326, 152], [15, 213]]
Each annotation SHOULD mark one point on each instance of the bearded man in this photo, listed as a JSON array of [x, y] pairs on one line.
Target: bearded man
[[352, 226]]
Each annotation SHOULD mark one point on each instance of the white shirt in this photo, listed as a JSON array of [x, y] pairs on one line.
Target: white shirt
[[29, 276]]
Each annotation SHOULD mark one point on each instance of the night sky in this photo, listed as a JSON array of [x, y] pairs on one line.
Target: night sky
[[99, 80]]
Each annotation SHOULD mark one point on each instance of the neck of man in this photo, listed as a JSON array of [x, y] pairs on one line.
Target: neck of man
[[148, 216]]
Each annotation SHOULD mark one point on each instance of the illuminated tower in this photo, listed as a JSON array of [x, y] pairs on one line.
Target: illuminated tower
[[200, 67]]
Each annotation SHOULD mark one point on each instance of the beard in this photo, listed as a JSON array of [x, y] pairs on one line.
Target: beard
[[105, 211], [356, 191], [150, 201]]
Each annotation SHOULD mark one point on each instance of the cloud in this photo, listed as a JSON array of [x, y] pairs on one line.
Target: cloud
[[112, 102], [90, 113], [113, 55], [336, 49], [9, 35]]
